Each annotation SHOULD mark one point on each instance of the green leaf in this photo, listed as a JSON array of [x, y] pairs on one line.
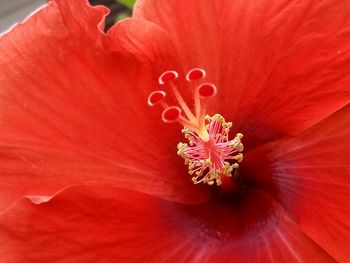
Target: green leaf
[[121, 16], [127, 3]]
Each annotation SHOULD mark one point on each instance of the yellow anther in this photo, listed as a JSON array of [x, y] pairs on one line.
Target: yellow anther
[[239, 157], [208, 162], [239, 135], [235, 166], [211, 182]]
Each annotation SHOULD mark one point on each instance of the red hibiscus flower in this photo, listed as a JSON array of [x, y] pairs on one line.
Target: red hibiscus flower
[[89, 172]]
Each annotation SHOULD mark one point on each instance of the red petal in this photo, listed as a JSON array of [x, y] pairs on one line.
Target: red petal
[[146, 41], [85, 224], [310, 175], [280, 66], [74, 110], [263, 232]]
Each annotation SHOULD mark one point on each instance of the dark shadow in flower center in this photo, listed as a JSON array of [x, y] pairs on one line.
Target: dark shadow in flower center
[[243, 214]]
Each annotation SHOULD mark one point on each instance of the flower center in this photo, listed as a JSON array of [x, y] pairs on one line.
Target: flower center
[[209, 153]]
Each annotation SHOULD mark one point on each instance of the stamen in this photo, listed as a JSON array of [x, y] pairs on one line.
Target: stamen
[[209, 161], [209, 153]]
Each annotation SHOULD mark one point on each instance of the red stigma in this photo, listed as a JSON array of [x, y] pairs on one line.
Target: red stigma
[[195, 74], [168, 76], [155, 97], [207, 90], [171, 114]]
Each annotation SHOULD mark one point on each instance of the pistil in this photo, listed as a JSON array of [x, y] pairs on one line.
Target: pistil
[[209, 153]]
